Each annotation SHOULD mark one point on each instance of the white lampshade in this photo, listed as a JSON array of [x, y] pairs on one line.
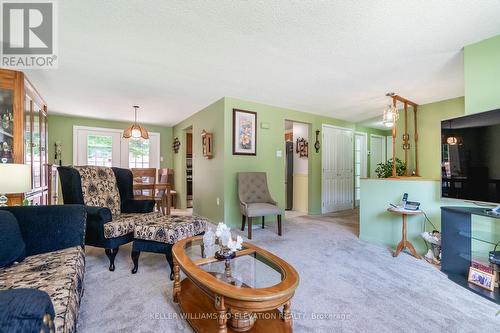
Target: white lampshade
[[15, 178], [390, 116]]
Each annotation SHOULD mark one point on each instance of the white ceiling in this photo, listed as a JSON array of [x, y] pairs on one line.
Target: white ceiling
[[336, 58]]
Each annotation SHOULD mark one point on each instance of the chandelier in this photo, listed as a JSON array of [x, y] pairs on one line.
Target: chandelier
[[391, 115], [135, 131]]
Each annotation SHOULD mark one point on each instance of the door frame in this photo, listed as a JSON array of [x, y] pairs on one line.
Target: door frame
[[310, 138], [388, 152], [364, 161], [364, 152], [384, 150], [123, 147], [323, 126]]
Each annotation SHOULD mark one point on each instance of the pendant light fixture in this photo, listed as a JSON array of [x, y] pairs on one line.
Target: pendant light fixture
[[135, 131], [391, 113]]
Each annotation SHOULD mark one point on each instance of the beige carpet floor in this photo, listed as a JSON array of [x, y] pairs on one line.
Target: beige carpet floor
[[347, 285]]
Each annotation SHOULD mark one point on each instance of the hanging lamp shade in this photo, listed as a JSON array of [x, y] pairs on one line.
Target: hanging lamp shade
[[390, 116], [135, 131]]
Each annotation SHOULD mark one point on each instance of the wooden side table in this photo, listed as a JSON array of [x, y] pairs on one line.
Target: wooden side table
[[405, 243]]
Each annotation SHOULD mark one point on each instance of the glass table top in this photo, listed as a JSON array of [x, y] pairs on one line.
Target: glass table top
[[248, 269]]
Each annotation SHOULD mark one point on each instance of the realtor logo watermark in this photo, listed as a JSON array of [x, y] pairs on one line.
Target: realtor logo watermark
[[29, 34]]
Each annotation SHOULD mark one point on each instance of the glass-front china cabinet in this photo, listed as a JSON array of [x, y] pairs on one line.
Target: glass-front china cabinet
[[23, 133]]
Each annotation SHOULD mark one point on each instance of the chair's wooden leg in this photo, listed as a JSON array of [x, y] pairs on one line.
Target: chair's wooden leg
[[249, 223], [170, 261], [279, 225], [169, 204], [263, 218], [111, 253], [135, 260], [243, 221]]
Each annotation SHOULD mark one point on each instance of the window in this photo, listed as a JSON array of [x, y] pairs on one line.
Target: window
[[106, 147], [99, 150], [138, 154]]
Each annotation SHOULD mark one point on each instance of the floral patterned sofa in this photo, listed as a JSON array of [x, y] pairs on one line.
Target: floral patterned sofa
[[54, 264]]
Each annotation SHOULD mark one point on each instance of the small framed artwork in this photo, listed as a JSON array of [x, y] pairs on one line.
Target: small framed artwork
[[481, 278], [244, 132]]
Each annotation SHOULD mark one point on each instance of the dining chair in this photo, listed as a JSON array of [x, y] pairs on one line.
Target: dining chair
[[146, 177], [146, 187], [167, 176]]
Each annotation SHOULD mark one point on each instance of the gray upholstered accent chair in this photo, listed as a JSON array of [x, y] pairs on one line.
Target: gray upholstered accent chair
[[255, 200]]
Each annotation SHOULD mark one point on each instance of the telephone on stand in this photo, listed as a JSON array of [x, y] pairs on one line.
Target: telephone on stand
[[407, 205]]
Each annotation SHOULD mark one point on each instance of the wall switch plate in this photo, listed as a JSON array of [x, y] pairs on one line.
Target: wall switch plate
[[161, 158], [218, 201], [264, 125], [279, 153]]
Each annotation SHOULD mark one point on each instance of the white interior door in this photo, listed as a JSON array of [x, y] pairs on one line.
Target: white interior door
[[376, 153], [337, 169], [388, 148]]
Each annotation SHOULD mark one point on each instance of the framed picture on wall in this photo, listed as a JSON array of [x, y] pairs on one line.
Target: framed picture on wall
[[244, 132]]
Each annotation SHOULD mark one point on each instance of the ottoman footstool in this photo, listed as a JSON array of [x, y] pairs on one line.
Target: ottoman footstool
[[159, 235]]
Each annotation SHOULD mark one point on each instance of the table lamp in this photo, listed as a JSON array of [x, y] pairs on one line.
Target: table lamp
[[14, 178]]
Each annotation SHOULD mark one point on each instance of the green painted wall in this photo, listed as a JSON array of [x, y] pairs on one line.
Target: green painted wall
[[482, 79], [268, 142], [482, 75], [379, 226], [208, 175], [216, 178], [61, 129], [429, 130]]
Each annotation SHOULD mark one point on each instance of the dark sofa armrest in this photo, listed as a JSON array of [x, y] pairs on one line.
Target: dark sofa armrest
[[97, 217], [26, 310], [50, 228], [137, 206]]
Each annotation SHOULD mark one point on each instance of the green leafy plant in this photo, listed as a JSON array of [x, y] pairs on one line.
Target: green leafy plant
[[384, 170]]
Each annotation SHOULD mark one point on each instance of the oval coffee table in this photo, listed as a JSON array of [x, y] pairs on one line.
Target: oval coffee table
[[238, 295]]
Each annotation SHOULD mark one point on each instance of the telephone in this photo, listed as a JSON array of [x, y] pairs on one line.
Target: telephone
[[408, 205], [412, 205], [404, 200]]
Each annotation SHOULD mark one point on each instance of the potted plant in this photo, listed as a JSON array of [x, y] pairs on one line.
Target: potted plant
[[384, 170]]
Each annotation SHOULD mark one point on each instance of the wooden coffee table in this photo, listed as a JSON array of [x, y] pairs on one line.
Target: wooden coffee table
[[243, 294]]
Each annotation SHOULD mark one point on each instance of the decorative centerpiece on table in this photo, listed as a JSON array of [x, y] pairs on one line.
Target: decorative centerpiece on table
[[222, 239]]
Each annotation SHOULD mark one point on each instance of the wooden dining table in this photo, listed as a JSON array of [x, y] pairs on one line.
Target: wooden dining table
[[165, 200]]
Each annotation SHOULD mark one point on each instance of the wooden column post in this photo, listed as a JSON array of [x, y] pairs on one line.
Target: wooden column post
[[417, 172], [394, 174], [405, 139], [406, 136]]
